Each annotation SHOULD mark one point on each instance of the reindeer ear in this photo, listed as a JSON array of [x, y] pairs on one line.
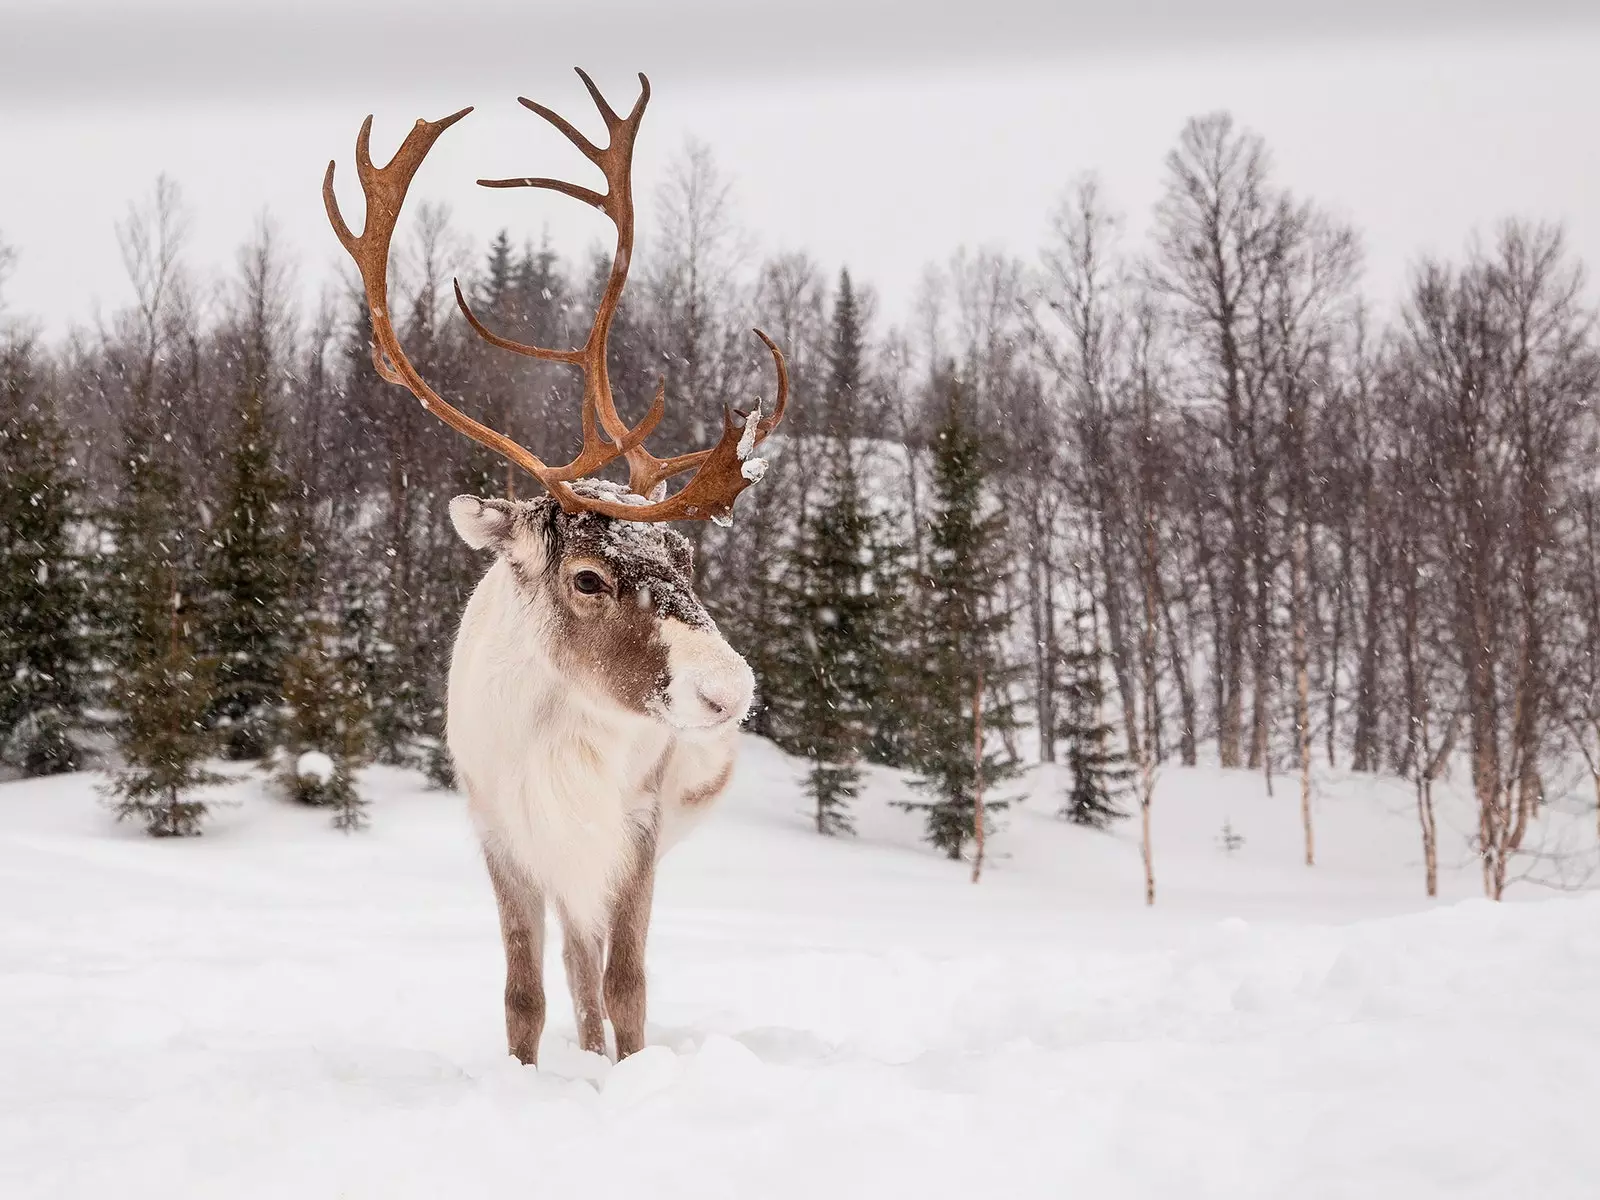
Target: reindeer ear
[[482, 524], [681, 550], [540, 520]]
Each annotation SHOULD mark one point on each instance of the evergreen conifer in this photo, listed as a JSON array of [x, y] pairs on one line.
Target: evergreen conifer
[[835, 605], [44, 666], [164, 740], [326, 723], [961, 625], [832, 609], [163, 689], [251, 573], [1099, 771]]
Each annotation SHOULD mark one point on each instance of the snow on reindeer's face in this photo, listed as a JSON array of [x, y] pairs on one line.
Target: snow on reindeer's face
[[618, 606]]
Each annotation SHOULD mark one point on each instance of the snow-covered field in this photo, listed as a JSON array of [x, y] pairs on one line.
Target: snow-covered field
[[277, 1010]]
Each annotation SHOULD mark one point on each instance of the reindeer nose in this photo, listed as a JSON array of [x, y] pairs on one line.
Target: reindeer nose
[[721, 698]]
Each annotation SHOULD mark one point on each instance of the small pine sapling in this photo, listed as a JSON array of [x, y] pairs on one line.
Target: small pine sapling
[[164, 687], [325, 722], [1099, 772], [42, 744], [165, 739]]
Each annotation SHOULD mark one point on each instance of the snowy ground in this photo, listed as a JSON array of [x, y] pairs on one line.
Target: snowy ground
[[276, 1010]]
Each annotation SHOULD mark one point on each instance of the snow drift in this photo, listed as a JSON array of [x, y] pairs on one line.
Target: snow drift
[[278, 1010]]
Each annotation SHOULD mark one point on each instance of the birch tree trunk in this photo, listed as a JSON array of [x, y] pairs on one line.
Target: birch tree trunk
[[1302, 681], [1152, 709]]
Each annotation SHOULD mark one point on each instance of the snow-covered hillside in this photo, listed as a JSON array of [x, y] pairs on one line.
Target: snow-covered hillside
[[277, 1010]]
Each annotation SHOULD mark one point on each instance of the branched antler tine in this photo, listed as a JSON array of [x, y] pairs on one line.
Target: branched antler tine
[[645, 470], [642, 465], [364, 168], [711, 491], [659, 470], [568, 130], [576, 191], [607, 114], [720, 473], [571, 357], [599, 449], [652, 418], [335, 217], [605, 434], [385, 191], [644, 98], [768, 424]]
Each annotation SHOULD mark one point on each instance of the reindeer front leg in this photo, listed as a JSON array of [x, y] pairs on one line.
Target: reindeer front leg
[[522, 929], [630, 922]]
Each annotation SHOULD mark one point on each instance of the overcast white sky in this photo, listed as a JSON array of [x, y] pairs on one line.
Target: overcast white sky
[[873, 134]]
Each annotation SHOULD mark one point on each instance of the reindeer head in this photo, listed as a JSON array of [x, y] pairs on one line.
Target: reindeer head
[[614, 585], [617, 601]]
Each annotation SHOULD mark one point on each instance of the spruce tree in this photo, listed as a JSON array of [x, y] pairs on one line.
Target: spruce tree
[[358, 636], [400, 702], [961, 626], [541, 294], [164, 739], [44, 662], [325, 726], [836, 606], [250, 579], [1099, 772], [499, 277], [886, 685], [846, 363], [831, 611], [162, 688], [880, 543]]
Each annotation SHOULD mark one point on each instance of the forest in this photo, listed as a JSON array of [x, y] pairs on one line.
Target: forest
[[1116, 504]]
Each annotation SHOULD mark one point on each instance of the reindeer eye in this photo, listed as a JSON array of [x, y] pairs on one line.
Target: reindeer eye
[[590, 583]]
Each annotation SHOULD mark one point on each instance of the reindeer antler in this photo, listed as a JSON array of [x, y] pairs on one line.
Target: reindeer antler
[[720, 473]]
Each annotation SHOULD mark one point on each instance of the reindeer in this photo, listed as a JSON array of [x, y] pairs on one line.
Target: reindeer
[[593, 706]]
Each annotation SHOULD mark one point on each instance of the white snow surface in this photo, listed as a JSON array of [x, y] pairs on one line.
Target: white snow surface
[[279, 1010]]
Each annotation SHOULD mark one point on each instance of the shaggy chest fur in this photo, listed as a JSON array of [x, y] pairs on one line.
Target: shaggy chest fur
[[562, 786]]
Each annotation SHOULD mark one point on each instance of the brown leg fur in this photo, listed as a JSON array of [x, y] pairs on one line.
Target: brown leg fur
[[522, 929], [583, 953], [630, 922]]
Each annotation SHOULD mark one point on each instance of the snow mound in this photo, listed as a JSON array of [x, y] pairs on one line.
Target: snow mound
[[314, 764]]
